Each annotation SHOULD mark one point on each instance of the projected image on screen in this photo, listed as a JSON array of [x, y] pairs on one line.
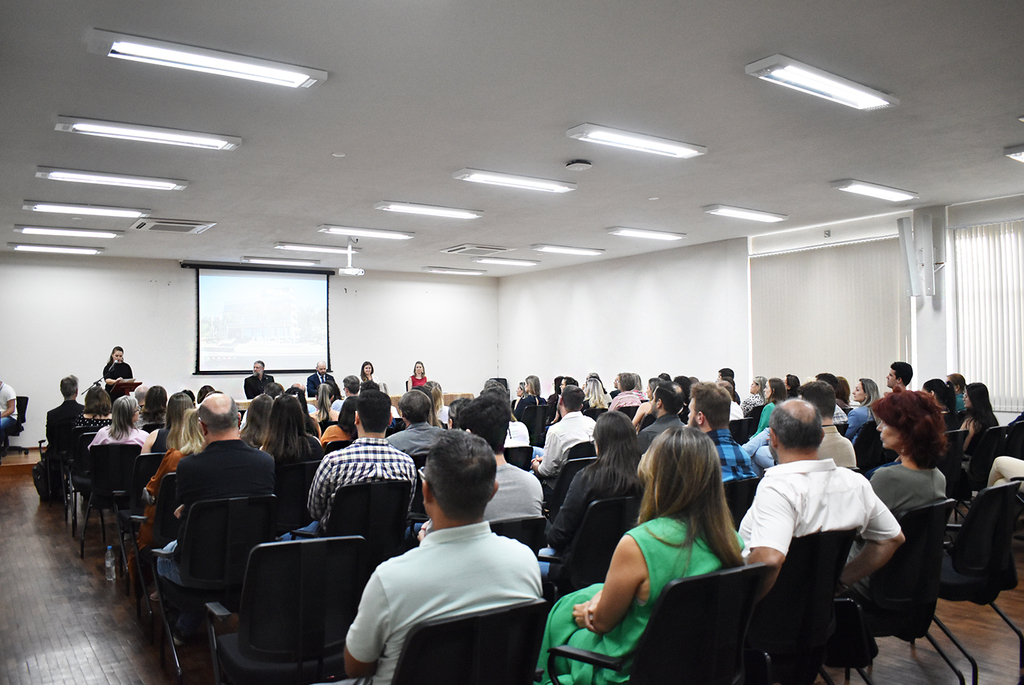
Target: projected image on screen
[[280, 318]]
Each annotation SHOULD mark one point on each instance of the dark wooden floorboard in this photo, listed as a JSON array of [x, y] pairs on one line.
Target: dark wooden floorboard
[[62, 622]]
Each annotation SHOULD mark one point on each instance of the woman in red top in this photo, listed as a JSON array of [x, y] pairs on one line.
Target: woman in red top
[[418, 377]]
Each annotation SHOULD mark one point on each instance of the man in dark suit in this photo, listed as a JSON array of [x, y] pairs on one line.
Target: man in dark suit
[[61, 419], [317, 378], [255, 383]]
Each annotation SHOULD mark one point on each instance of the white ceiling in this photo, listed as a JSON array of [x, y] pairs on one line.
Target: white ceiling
[[418, 90]]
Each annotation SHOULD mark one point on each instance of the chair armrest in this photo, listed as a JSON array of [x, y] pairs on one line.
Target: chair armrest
[[162, 554], [953, 527], [217, 610], [554, 558], [587, 657], [416, 518], [137, 519]]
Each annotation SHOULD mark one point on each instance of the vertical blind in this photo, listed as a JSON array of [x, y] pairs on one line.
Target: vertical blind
[[841, 309], [990, 309]]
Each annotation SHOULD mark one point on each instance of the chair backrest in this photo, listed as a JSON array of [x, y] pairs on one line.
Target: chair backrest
[[796, 614], [496, 647], [595, 412], [529, 531], [535, 417], [143, 470], [647, 421], [112, 467], [739, 495], [868, 447], [676, 648], [519, 456], [983, 548], [629, 411], [335, 445], [299, 599], [61, 439], [218, 535], [740, 429], [1014, 446], [291, 485], [570, 467], [952, 462], [755, 414], [376, 511], [604, 524], [988, 447], [581, 450], [82, 463], [165, 523], [150, 427], [21, 403]]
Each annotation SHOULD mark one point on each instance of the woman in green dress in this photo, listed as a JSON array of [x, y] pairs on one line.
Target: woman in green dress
[[685, 530]]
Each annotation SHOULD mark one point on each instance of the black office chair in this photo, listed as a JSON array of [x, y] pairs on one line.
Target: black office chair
[[740, 429], [629, 411], [143, 470], [377, 512], [165, 528], [595, 413], [984, 451], [78, 472], [59, 447], [534, 417], [529, 531], [519, 456], [868, 447], [291, 485], [739, 495], [111, 482], [952, 466], [676, 648], [298, 600], [21, 404], [1014, 446], [335, 445], [647, 421], [491, 647], [570, 467]]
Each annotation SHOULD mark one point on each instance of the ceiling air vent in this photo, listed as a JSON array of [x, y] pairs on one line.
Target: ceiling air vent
[[172, 225], [476, 250]]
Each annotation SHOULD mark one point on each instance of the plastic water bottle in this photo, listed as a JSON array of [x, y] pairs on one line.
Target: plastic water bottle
[[109, 561]]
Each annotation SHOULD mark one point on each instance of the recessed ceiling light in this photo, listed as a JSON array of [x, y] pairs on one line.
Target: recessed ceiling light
[[365, 232], [146, 134], [784, 71], [56, 249], [741, 213], [593, 133], [563, 249], [512, 181], [339, 155], [499, 261], [67, 232], [84, 210], [851, 185], [274, 261], [99, 178], [643, 233], [453, 271], [163, 53], [1016, 152], [428, 210], [315, 248]]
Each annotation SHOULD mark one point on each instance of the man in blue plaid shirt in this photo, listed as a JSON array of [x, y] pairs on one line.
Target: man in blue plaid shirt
[[709, 412], [368, 459]]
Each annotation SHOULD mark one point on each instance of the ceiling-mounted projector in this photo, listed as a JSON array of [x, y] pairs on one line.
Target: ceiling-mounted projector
[[350, 271]]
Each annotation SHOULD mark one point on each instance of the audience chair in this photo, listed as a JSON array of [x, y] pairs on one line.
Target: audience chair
[[214, 550], [739, 495], [491, 647], [377, 512], [629, 411], [740, 429], [595, 413], [868, 447], [143, 470], [21, 403], [335, 445], [291, 485], [851, 646], [988, 447], [59, 446], [695, 634], [755, 414], [519, 456], [1014, 446], [79, 471], [112, 467], [793, 621], [569, 470], [298, 600], [979, 564], [534, 417], [165, 529], [529, 531], [150, 427], [952, 466], [647, 421]]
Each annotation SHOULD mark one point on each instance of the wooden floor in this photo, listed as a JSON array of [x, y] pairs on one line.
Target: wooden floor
[[62, 622]]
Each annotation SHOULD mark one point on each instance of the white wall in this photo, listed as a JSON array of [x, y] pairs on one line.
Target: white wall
[[681, 311], [63, 315]]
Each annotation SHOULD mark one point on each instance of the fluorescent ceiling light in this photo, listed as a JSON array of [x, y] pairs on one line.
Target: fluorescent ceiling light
[[163, 53], [453, 271], [84, 210], [274, 261], [365, 232], [784, 71], [428, 210], [1016, 152], [67, 232], [495, 178], [499, 261], [562, 249], [315, 248], [642, 233], [56, 249], [593, 133], [146, 134], [99, 178], [851, 185], [741, 213]]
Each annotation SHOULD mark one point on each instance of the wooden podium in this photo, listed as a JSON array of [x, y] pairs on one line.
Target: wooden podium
[[123, 388]]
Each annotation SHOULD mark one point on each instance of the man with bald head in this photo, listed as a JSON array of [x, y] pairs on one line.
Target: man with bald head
[[318, 378], [805, 495]]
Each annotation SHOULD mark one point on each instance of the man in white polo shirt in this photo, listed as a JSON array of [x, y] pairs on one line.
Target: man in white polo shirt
[[8, 413]]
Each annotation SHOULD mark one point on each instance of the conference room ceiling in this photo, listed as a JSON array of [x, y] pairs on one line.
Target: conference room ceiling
[[419, 90]]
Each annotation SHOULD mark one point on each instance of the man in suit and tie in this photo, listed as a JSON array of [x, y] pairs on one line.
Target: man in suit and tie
[[317, 378]]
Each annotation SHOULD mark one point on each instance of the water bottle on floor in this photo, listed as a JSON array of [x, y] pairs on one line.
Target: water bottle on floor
[[109, 561]]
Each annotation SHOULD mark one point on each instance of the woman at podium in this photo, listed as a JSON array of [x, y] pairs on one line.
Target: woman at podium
[[116, 369]]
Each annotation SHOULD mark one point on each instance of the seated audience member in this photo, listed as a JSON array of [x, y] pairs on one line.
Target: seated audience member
[[299, 393], [792, 384], [572, 429], [735, 411], [1005, 469], [345, 427], [959, 385], [685, 530], [520, 392], [864, 394], [287, 441], [899, 376], [519, 493], [177, 405], [437, 398], [805, 495], [843, 395], [257, 420], [667, 399], [369, 459], [349, 388], [756, 397], [614, 474], [122, 430], [943, 394], [838, 415], [594, 394], [318, 378], [979, 417], [140, 400], [459, 568], [553, 416], [833, 445], [63, 416], [556, 387], [191, 395], [685, 383], [256, 383], [96, 412], [154, 409], [415, 408], [457, 406], [531, 398], [629, 392], [774, 396], [205, 392], [709, 413], [647, 406], [274, 390], [325, 396], [726, 374]]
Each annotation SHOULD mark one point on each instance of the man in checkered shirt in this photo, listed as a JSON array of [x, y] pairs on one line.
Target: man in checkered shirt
[[368, 459]]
